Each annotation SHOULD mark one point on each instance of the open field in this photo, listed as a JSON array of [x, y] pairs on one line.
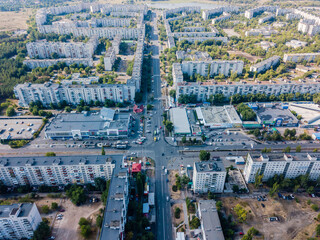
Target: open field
[[296, 219], [11, 21]]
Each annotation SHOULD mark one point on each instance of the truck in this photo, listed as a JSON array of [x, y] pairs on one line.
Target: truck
[[166, 171], [121, 146]]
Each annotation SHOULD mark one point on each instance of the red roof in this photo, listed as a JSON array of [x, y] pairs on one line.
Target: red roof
[[136, 167]]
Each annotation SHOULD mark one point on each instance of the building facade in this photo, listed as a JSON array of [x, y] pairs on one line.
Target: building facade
[[290, 165], [265, 64], [18, 221], [208, 177], [55, 171]]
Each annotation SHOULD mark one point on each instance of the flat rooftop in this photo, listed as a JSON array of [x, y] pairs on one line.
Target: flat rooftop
[[210, 220], [285, 157], [220, 114], [12, 127], [87, 121], [310, 112], [269, 114], [7, 210], [180, 120], [210, 166], [58, 160]]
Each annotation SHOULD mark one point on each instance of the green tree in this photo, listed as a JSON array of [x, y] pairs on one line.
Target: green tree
[[102, 151], [184, 139], [177, 212], [100, 184], [318, 230], [67, 109], [76, 194], [219, 205], [315, 207], [10, 112], [50, 154], [298, 148], [204, 155], [287, 149], [241, 213], [85, 231], [45, 209], [99, 221], [149, 107], [258, 179], [42, 231], [54, 206]]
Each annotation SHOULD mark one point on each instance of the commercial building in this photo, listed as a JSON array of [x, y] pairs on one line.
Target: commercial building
[[42, 63], [218, 117], [73, 93], [55, 171], [44, 49], [273, 87], [290, 165], [179, 118], [265, 64], [115, 215], [300, 57], [210, 223], [180, 236], [212, 68], [279, 115], [208, 176], [19, 221], [108, 124]]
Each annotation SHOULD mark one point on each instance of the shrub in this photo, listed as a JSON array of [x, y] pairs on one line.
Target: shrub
[[177, 212], [315, 207], [174, 188], [45, 209]]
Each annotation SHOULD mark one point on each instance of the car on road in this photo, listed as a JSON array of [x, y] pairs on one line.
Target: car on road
[[168, 198]]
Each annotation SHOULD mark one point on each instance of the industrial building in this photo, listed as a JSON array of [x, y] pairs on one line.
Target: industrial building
[[290, 165], [19, 221], [179, 118], [210, 223], [218, 117], [55, 171], [309, 112], [106, 124], [208, 176]]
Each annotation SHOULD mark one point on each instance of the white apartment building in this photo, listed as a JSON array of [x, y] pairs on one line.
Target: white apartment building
[[251, 13], [194, 34], [266, 31], [290, 165], [73, 93], [138, 61], [208, 177], [181, 10], [300, 57], [18, 221], [296, 44], [44, 49], [34, 63], [211, 68], [204, 89], [194, 29], [224, 16], [266, 19], [206, 14], [109, 59], [265, 64], [55, 171], [177, 74]]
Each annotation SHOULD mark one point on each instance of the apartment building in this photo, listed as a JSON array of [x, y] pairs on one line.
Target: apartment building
[[208, 177], [204, 89], [194, 56], [194, 29], [251, 13], [296, 44], [115, 215], [300, 57], [210, 223], [42, 63], [181, 10], [44, 49], [109, 59], [202, 39], [265, 64], [223, 17], [106, 124], [73, 93], [211, 68], [138, 61], [265, 31], [56, 171], [177, 74], [18, 221], [206, 14], [290, 165], [266, 19]]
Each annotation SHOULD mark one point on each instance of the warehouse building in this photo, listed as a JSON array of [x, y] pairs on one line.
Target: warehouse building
[[106, 124], [179, 118]]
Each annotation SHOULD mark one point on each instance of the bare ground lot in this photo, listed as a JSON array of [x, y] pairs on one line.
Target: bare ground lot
[[11, 21], [67, 228], [296, 219], [248, 56]]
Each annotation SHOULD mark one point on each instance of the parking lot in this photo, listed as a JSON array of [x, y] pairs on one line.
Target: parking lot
[[19, 127]]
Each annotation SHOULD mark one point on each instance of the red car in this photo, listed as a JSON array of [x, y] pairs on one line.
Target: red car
[[62, 210], [241, 233]]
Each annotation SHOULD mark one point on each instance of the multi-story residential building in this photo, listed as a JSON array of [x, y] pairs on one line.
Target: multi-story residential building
[[194, 56], [204, 89], [138, 61], [194, 34], [300, 57], [56, 171], [210, 223], [194, 29], [109, 59], [115, 216], [202, 39], [266, 19], [73, 93], [206, 14], [42, 63], [290, 165], [44, 49], [108, 124], [265, 31], [181, 10], [251, 13], [18, 221], [123, 14], [296, 44], [171, 42], [265, 64], [208, 177], [211, 68], [223, 17]]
